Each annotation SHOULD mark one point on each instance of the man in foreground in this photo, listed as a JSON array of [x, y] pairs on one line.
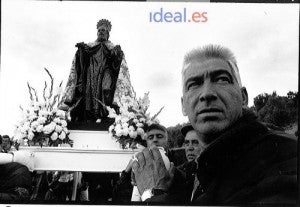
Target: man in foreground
[[243, 162], [15, 178]]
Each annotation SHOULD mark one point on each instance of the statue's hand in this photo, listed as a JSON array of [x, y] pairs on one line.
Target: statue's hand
[[64, 107], [118, 51], [82, 45]]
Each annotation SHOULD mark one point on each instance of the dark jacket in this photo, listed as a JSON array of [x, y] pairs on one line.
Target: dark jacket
[[248, 164]]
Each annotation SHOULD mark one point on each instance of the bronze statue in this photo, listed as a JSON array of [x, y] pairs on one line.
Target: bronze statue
[[98, 74]]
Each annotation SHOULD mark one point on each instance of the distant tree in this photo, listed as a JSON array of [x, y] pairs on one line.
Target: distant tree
[[175, 137], [282, 111], [260, 101]]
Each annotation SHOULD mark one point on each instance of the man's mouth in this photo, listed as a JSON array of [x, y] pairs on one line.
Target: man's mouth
[[191, 156], [210, 110]]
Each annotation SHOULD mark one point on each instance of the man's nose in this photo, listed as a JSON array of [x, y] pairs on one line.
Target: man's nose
[[207, 92], [190, 147]]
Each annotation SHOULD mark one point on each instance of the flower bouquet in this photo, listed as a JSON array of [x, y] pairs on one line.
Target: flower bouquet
[[42, 122], [131, 120]]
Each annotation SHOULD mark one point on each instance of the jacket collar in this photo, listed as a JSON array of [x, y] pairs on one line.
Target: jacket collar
[[228, 147]]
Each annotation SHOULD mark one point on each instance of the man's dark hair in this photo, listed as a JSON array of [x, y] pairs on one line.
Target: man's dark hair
[[156, 126], [0, 139], [186, 128], [5, 137]]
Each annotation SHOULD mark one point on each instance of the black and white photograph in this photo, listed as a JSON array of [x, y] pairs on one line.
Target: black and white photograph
[[149, 103]]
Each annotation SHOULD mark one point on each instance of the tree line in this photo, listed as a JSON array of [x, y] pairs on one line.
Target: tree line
[[277, 112]]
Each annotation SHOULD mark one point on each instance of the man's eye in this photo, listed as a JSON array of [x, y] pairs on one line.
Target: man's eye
[[186, 142], [223, 79], [192, 85]]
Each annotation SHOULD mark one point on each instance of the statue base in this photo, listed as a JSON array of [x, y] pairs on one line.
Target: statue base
[[91, 126], [92, 135]]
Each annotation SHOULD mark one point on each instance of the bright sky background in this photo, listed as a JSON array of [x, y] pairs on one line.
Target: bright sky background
[[38, 34]]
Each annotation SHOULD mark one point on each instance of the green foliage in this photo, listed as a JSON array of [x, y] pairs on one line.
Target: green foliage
[[281, 111]]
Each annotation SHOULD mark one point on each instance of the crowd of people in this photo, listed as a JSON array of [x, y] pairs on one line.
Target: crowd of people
[[228, 157]]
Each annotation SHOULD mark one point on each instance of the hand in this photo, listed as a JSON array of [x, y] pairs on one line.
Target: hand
[[64, 107], [150, 171], [25, 158], [118, 51]]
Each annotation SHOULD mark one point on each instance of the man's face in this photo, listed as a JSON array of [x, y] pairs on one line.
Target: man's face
[[156, 137], [212, 98], [102, 34], [6, 143], [192, 145]]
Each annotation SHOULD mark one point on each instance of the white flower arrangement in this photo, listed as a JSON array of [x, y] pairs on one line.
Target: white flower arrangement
[[42, 120], [131, 120]]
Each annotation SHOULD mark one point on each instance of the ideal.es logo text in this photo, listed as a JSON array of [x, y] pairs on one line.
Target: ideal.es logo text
[[182, 16]]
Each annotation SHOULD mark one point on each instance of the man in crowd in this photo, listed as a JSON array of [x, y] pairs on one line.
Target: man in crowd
[[15, 178], [6, 144], [243, 161]]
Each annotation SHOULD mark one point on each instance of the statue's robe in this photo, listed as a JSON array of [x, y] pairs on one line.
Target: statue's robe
[[96, 74]]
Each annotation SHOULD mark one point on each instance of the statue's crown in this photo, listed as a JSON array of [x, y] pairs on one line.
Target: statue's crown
[[104, 22]]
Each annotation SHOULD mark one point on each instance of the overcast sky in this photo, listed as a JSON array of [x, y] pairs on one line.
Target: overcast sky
[[38, 34]]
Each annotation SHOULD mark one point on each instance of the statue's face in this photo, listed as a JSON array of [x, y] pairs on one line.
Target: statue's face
[[102, 34]]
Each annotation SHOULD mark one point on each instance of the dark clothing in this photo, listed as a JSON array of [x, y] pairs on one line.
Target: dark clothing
[[15, 182], [97, 71], [247, 164]]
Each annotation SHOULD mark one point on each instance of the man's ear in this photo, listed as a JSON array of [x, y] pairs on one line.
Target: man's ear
[[183, 108], [244, 96]]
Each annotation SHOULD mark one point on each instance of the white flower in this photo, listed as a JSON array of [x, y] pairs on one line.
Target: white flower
[[131, 128], [118, 127], [39, 128], [54, 136], [133, 134], [140, 131], [61, 114], [112, 112], [142, 120], [30, 135], [57, 120], [41, 120], [58, 128], [62, 135], [65, 129], [131, 115], [135, 120], [111, 127], [125, 131], [125, 125], [43, 113], [48, 129], [63, 123], [124, 119], [139, 125], [34, 124], [118, 133]]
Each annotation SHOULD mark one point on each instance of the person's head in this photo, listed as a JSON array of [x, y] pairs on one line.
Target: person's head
[[6, 143], [192, 142], [157, 135], [213, 96], [103, 29]]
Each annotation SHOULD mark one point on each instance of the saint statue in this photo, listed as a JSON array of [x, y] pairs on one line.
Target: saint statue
[[99, 75]]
